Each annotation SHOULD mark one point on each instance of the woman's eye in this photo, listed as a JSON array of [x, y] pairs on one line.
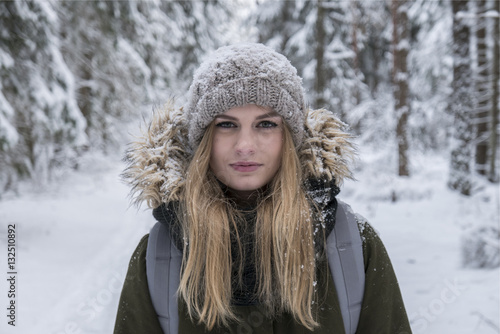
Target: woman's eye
[[225, 125], [267, 124]]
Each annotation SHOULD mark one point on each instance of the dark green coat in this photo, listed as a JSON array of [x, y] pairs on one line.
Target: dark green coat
[[382, 312], [157, 163]]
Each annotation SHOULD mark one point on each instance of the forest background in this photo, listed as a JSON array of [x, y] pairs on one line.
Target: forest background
[[417, 81]]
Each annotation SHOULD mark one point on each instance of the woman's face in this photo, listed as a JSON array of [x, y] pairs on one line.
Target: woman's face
[[246, 147]]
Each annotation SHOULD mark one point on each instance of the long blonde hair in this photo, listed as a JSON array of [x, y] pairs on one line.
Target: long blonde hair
[[284, 242]]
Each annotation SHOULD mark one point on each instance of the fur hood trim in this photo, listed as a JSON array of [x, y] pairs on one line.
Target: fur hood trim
[[158, 160]]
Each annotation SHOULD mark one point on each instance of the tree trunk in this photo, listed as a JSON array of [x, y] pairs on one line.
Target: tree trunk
[[460, 103], [354, 36], [492, 173], [287, 8], [401, 44], [482, 90], [320, 81]]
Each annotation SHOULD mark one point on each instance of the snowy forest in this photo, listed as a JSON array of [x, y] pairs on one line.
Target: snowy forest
[[416, 81], [423, 74]]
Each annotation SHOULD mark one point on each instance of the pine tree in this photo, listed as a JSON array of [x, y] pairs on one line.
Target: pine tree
[[37, 89], [371, 40], [315, 37], [460, 103], [372, 43], [111, 77], [8, 132], [73, 72], [127, 55], [431, 74]]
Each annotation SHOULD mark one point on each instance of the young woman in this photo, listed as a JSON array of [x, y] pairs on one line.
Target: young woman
[[243, 183]]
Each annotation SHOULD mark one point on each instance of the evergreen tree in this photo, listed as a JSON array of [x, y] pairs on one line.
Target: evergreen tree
[[73, 72], [111, 77], [431, 69], [315, 37], [44, 126], [371, 39], [127, 55], [8, 132]]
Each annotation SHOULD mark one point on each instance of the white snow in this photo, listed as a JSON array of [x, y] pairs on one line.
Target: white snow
[[75, 239], [74, 243], [422, 232]]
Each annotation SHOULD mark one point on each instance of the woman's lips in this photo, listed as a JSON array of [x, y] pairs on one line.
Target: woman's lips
[[245, 167]]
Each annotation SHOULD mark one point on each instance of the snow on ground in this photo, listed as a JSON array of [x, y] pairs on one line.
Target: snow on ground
[[422, 230], [74, 241]]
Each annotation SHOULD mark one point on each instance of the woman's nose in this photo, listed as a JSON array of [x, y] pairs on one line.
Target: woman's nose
[[245, 143]]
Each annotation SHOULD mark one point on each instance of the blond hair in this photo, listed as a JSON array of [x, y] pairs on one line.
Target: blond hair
[[284, 242]]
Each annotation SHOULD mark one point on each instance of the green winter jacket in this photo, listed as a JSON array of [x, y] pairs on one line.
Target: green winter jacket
[[383, 310], [156, 171]]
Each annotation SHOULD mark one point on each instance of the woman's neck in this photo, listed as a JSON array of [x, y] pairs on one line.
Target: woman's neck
[[244, 199]]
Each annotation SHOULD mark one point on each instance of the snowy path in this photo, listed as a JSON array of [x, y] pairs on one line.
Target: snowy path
[[74, 243]]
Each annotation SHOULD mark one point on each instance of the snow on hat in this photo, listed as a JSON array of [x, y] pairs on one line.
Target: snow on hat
[[240, 74]]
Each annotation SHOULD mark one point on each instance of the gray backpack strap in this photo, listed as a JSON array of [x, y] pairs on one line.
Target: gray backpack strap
[[163, 265], [345, 257]]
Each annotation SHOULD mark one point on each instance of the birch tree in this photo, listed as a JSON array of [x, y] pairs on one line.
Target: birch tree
[[482, 89]]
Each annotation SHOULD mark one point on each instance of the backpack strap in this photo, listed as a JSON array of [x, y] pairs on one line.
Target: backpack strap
[[345, 257], [163, 266]]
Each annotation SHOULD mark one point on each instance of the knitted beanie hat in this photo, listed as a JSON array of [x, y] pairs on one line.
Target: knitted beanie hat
[[241, 74]]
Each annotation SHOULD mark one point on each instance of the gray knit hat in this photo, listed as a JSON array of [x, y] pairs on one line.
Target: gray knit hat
[[241, 74]]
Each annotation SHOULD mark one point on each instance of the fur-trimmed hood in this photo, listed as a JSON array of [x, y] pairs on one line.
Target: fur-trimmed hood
[[158, 160]]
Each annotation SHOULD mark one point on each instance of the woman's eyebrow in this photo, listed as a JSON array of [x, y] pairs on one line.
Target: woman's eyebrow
[[227, 117], [270, 114]]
